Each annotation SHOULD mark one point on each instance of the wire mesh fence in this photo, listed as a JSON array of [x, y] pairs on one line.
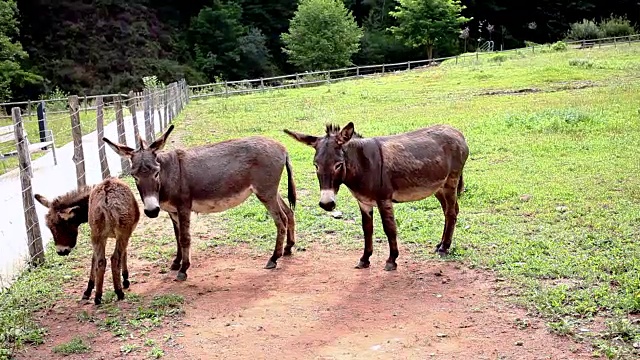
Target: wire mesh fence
[[69, 153]]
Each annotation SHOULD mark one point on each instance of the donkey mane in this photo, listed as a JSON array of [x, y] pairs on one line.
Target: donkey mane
[[72, 198], [334, 129]]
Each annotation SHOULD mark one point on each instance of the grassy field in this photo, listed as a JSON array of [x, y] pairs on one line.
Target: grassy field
[[552, 202], [553, 197]]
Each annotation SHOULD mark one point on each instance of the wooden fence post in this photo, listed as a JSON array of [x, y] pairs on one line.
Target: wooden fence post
[[134, 117], [76, 131], [152, 111], [147, 119], [186, 91], [159, 107], [165, 106], [104, 165], [34, 237], [122, 139], [171, 102]]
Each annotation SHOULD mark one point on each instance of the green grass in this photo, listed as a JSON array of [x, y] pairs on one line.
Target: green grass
[[553, 200], [75, 346]]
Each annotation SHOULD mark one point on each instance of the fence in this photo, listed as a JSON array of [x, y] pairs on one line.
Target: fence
[[228, 88], [76, 138]]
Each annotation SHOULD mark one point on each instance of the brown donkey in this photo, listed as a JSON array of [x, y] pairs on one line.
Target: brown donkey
[[383, 170], [212, 178], [111, 210]]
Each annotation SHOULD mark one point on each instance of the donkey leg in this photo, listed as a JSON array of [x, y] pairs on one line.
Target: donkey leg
[[389, 225], [184, 246], [92, 278], [451, 209], [175, 265], [101, 265], [443, 204], [125, 270], [115, 272], [280, 219], [291, 226], [366, 212]]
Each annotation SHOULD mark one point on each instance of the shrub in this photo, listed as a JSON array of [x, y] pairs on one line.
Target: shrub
[[616, 26], [559, 46], [498, 58], [585, 63], [584, 30]]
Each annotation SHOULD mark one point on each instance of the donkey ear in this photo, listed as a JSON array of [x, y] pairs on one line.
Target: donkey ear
[[42, 200], [120, 149], [305, 139], [161, 141], [142, 144], [346, 133], [68, 213]]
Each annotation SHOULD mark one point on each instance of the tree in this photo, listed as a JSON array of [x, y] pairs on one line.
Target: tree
[[11, 52], [214, 34], [322, 35], [428, 23]]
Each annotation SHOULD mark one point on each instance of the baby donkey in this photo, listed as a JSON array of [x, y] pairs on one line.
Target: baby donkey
[[111, 210]]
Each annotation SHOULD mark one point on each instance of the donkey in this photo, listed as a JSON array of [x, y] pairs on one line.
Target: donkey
[[212, 178], [384, 170], [111, 210]]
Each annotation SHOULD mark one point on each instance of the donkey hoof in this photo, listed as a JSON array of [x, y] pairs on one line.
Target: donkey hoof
[[287, 252], [125, 283], [362, 264], [390, 266], [442, 253], [181, 276], [120, 294], [270, 265], [97, 300], [86, 296], [175, 266]]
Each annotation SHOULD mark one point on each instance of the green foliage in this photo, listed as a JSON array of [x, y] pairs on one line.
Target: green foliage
[[559, 46], [584, 63], [74, 346], [322, 35], [214, 34], [428, 23], [616, 26], [11, 52], [152, 83], [584, 30]]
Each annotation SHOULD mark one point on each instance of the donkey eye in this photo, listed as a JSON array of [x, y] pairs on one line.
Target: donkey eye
[[338, 166], [157, 175], [316, 165]]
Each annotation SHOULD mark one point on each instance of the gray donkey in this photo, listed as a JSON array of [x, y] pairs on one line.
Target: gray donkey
[[212, 178]]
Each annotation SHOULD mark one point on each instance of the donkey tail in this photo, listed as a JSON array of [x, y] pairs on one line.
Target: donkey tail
[[460, 185], [291, 185]]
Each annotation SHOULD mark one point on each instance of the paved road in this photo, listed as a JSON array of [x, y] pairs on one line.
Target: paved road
[[51, 181]]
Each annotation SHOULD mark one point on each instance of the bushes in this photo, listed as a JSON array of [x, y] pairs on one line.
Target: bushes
[[611, 27], [559, 46], [584, 30], [616, 26]]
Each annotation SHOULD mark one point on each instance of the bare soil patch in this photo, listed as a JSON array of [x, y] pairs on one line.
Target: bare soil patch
[[315, 305]]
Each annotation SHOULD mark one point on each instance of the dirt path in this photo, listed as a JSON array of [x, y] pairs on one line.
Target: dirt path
[[316, 306]]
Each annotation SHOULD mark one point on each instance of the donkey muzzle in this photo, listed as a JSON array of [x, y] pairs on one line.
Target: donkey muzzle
[[151, 206], [327, 200], [63, 250]]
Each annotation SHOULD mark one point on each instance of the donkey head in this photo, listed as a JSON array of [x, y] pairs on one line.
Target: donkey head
[[328, 160], [63, 219], [145, 169]]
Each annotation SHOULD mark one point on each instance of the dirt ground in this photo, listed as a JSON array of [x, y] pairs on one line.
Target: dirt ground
[[315, 305]]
